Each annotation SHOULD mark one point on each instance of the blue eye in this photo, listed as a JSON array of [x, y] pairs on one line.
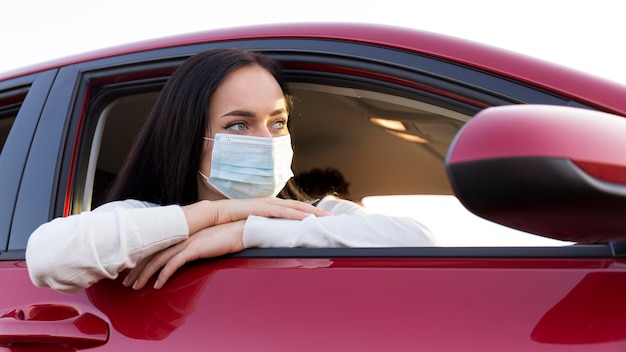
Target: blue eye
[[237, 126]]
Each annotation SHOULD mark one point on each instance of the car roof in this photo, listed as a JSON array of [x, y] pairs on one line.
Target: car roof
[[595, 91]]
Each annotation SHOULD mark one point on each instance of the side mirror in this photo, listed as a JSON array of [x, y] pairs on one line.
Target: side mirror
[[554, 171]]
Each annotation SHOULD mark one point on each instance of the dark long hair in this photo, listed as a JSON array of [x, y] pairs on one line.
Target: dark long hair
[[162, 165]]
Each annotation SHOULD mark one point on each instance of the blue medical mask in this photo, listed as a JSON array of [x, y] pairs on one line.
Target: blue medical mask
[[245, 167]]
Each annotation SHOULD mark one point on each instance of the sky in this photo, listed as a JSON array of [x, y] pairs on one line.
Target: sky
[[585, 35]]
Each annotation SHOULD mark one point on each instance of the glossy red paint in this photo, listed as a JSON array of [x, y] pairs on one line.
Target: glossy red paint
[[439, 304], [606, 172], [595, 91], [523, 131], [42, 319], [53, 325]]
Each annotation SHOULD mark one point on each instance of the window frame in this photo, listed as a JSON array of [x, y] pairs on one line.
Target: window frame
[[34, 89], [305, 60]]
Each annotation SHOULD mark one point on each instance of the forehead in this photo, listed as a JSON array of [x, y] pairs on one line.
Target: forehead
[[249, 88], [249, 78]]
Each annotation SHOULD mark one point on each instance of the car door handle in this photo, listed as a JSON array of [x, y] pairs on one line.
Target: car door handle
[[52, 324]]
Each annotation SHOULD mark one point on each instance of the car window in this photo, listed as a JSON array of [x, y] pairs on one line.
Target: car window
[[381, 143], [454, 225], [118, 123], [346, 130], [370, 131], [5, 127], [382, 150], [10, 103]]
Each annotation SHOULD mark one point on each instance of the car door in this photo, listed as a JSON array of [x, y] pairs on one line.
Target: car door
[[445, 298]]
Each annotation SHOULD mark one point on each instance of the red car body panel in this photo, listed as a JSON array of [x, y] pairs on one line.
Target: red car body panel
[[438, 304], [526, 133]]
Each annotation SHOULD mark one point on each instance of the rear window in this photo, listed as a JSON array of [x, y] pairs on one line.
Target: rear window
[[10, 103]]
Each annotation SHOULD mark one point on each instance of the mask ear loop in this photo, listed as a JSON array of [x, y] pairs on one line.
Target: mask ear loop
[[203, 175], [200, 172]]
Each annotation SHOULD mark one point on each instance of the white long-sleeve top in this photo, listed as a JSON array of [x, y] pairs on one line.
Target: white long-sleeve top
[[72, 253]]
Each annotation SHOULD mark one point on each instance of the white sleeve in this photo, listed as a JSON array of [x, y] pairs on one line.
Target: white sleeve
[[72, 253], [350, 226]]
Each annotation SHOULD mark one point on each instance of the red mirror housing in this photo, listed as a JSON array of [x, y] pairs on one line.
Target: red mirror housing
[[553, 171]]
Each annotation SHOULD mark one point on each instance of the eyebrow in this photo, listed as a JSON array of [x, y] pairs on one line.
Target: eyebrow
[[245, 113]]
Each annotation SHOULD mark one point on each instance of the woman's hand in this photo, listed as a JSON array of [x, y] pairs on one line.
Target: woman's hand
[[207, 243], [205, 214], [216, 229]]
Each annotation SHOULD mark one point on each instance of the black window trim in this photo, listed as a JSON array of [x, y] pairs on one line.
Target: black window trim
[[587, 251], [34, 88]]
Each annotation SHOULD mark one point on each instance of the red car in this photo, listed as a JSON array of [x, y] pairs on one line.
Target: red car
[[536, 149]]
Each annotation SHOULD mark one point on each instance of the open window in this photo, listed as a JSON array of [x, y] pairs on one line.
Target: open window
[[388, 150], [118, 124], [378, 130], [380, 143]]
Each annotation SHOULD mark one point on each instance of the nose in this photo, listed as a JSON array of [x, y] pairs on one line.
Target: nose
[[263, 131]]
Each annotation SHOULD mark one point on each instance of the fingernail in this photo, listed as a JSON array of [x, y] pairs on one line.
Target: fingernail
[[156, 285], [135, 285], [125, 282]]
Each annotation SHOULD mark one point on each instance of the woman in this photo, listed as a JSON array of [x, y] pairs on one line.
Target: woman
[[201, 182]]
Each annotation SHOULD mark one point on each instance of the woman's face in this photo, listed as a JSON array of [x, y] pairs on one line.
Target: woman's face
[[248, 102]]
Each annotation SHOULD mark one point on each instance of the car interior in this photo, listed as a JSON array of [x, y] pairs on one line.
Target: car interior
[[366, 146], [381, 144]]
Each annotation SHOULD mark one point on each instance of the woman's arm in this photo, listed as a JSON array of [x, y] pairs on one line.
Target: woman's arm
[[204, 214], [69, 254], [351, 226]]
